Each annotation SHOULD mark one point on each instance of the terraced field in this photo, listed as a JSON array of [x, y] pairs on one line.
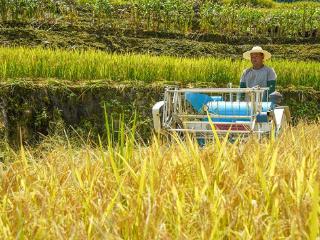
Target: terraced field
[[85, 82], [78, 158], [94, 65]]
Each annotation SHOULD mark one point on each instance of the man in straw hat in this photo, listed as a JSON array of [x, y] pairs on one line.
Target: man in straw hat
[[258, 74]]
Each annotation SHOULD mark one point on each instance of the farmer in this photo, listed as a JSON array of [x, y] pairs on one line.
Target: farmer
[[258, 74]]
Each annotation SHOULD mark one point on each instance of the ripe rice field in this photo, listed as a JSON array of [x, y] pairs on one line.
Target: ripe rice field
[[40, 63], [254, 190]]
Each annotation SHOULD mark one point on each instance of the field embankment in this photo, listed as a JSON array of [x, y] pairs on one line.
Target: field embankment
[[32, 109]]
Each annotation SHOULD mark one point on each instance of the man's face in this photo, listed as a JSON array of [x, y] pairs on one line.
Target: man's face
[[256, 59]]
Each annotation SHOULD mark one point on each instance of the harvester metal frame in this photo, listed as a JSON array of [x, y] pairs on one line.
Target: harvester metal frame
[[175, 114]]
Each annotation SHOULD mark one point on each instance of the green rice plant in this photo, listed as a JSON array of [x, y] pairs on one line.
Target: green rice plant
[[39, 63]]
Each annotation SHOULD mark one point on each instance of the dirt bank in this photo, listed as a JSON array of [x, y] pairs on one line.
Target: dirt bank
[[157, 43], [40, 109]]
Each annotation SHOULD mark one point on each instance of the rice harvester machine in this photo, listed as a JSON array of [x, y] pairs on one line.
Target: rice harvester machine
[[236, 111]]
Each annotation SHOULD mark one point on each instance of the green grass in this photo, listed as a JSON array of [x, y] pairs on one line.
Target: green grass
[[38, 63]]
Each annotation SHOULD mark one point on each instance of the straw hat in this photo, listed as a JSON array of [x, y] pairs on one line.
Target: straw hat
[[257, 49]]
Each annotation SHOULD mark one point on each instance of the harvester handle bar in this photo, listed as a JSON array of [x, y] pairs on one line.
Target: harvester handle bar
[[219, 90]]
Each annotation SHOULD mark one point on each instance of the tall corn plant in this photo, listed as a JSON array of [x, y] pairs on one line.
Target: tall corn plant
[[21, 10], [102, 9], [209, 16], [167, 15], [151, 11], [184, 15], [32, 9], [228, 20], [4, 10], [17, 8]]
